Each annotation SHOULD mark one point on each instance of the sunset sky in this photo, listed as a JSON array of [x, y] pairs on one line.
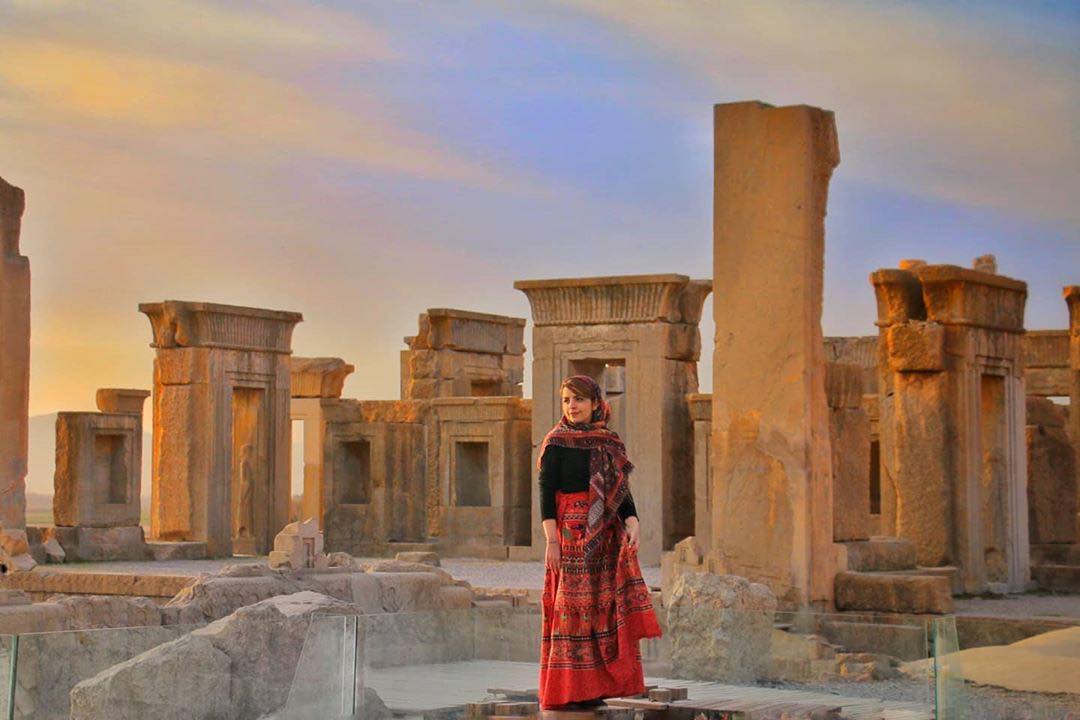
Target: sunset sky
[[360, 162]]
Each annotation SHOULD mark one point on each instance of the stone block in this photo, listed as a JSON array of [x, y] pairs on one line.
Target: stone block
[[53, 552], [15, 551], [880, 554], [1045, 413], [958, 296], [124, 401], [298, 545], [320, 377], [91, 544], [97, 482], [428, 558], [1052, 485], [843, 385], [916, 347], [720, 627], [899, 593], [849, 436]]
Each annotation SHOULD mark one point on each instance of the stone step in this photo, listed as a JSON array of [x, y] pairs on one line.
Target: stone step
[[1056, 554], [880, 553], [1061, 578], [893, 592]]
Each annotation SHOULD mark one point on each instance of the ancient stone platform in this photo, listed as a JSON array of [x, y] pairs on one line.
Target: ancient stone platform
[[449, 685]]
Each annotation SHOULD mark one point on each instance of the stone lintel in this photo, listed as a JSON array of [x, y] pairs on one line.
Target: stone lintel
[[955, 295], [616, 299], [478, 316], [482, 408], [1046, 349], [178, 323], [125, 401], [320, 377]]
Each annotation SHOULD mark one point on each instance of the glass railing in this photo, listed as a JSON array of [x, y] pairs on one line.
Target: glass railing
[[483, 661]]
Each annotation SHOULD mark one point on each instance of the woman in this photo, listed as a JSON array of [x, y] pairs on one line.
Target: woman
[[596, 605]]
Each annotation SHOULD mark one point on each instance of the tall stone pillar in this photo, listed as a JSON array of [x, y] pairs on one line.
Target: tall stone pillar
[[638, 337], [14, 359], [1072, 298], [772, 504], [221, 424]]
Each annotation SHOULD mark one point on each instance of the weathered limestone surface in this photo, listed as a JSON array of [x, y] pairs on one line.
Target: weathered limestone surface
[[720, 627], [15, 551], [638, 336], [772, 510], [240, 666], [860, 351], [97, 481], [951, 420], [316, 383], [849, 438], [374, 474], [701, 416], [458, 353], [299, 545], [1046, 363], [1072, 299], [221, 384], [14, 359], [1052, 480], [893, 593], [481, 477], [321, 377], [388, 586], [93, 544]]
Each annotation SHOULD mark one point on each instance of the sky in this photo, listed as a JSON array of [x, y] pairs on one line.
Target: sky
[[360, 162]]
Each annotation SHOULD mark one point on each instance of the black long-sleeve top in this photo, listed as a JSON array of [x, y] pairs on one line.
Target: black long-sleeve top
[[567, 469]]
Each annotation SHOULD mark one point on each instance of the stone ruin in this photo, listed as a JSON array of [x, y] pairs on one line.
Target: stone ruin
[[221, 424], [98, 479]]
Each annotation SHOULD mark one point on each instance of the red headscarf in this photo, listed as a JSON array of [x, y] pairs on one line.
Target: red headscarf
[[609, 468]]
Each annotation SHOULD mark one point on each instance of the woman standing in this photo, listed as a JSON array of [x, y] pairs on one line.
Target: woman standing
[[596, 607]]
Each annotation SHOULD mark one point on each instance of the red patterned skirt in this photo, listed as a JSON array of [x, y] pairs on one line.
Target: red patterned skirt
[[594, 615]]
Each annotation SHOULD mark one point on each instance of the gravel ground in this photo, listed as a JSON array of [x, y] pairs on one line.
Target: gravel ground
[[976, 703]]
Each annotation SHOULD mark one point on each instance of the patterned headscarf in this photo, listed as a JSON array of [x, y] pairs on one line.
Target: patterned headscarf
[[609, 468]]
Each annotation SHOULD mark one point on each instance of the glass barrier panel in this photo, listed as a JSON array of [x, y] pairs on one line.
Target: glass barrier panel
[[49, 665], [328, 680]]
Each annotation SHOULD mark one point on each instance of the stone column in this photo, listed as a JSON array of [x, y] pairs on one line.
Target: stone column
[[315, 383], [849, 428], [772, 512], [14, 359], [221, 424], [638, 336], [1072, 298]]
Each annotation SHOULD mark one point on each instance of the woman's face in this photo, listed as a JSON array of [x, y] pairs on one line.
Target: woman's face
[[577, 408]]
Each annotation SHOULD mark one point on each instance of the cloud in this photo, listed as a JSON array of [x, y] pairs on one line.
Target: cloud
[[115, 78], [973, 109]]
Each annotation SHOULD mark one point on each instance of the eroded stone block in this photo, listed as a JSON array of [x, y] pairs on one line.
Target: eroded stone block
[[916, 347]]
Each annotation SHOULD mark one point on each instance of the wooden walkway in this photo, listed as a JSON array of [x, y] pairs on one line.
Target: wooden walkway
[[418, 689]]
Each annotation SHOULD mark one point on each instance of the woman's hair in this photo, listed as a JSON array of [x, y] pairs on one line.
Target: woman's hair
[[584, 386]]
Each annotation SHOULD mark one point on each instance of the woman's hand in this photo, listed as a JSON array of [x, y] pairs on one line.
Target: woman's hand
[[552, 555], [633, 531]]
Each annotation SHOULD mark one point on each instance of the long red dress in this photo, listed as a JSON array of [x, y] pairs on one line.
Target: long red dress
[[594, 614]]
